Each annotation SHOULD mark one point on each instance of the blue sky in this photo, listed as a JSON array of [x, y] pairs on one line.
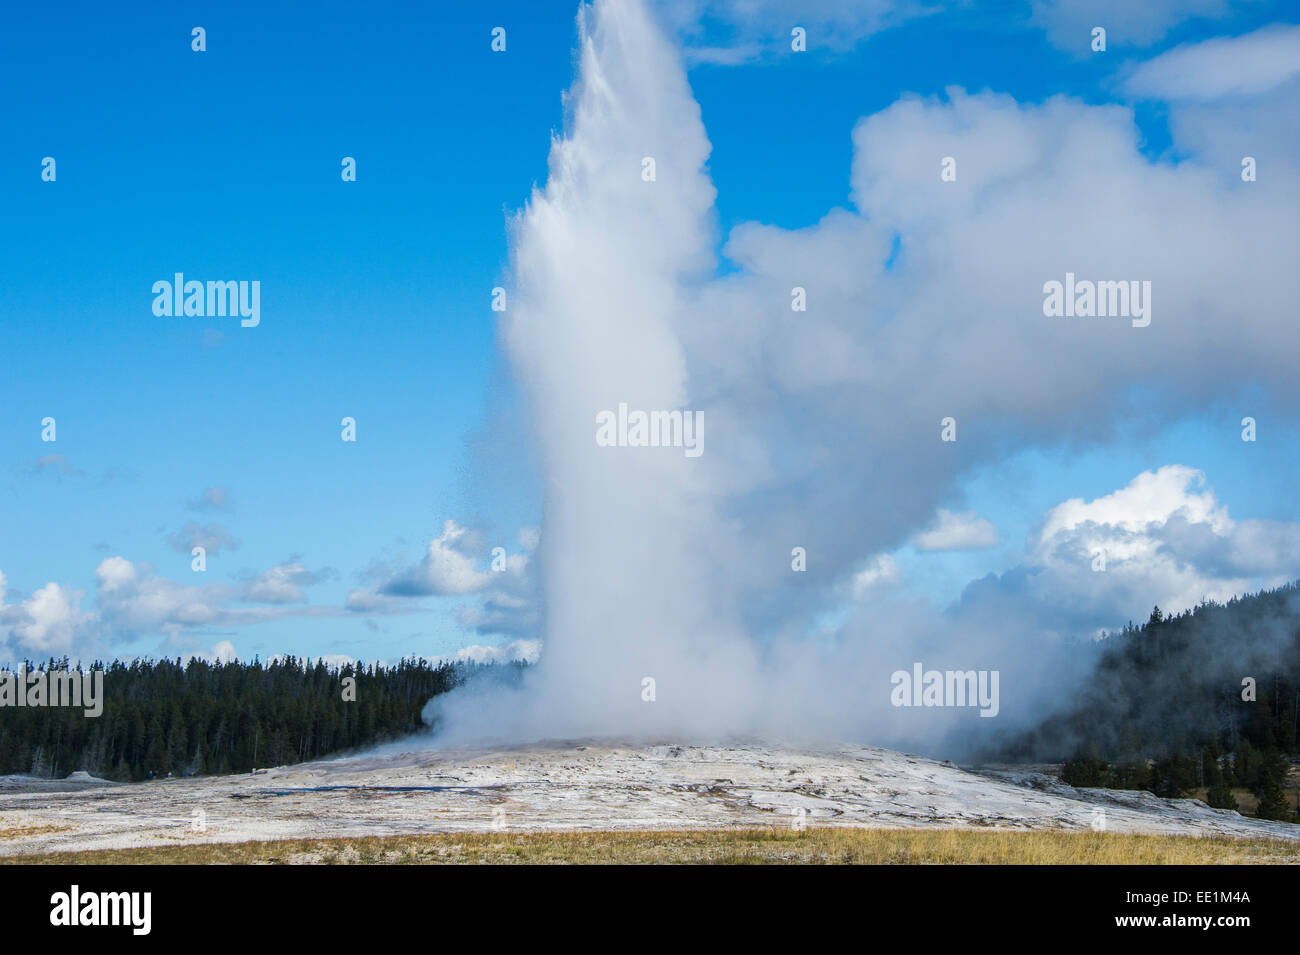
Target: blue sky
[[375, 294]]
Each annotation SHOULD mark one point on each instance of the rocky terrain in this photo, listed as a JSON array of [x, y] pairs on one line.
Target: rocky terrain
[[582, 785]]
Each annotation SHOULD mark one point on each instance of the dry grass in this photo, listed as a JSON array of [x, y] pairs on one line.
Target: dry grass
[[749, 846], [18, 832]]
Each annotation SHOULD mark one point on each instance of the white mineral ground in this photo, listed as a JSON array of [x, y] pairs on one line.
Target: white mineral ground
[[582, 786]]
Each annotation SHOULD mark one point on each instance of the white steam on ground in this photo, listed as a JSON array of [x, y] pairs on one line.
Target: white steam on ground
[[821, 428]]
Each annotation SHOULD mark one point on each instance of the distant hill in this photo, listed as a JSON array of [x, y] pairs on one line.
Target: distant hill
[[1166, 708]]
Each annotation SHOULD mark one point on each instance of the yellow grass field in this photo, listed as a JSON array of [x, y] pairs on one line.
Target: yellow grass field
[[817, 846]]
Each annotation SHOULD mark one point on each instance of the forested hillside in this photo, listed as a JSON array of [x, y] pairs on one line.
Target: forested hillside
[[164, 717], [1206, 698]]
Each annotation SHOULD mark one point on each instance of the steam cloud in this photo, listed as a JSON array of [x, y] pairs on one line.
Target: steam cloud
[[823, 426]]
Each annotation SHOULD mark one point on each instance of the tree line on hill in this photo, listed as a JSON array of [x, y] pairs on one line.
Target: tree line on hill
[[163, 718], [1206, 698]]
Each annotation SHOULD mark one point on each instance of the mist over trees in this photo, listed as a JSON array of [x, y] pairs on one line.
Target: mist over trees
[[1206, 698], [162, 717]]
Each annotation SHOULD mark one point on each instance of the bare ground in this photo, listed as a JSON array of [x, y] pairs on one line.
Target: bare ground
[[590, 786]]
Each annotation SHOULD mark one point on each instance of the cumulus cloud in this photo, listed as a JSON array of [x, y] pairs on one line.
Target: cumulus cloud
[[951, 531], [223, 651], [449, 568], [1151, 498], [47, 622], [135, 599], [282, 584], [1164, 538], [458, 563], [132, 600]]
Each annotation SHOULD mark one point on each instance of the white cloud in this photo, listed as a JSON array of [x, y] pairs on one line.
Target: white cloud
[[951, 531], [447, 569], [882, 573], [46, 622], [1246, 65], [1153, 497], [115, 574], [223, 651], [1166, 540], [134, 599], [281, 584], [528, 651], [450, 568]]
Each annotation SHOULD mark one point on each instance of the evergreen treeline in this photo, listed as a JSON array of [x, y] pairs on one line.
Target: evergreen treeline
[[161, 717], [1166, 710], [1263, 773]]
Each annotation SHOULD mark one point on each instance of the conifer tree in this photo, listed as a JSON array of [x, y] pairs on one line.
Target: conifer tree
[[1272, 799]]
